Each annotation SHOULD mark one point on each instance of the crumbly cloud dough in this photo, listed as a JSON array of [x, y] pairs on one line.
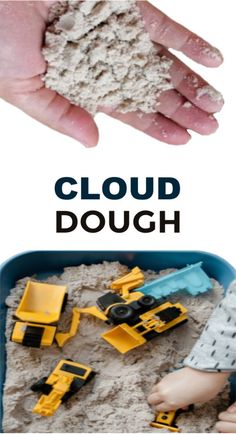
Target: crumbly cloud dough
[[100, 55]]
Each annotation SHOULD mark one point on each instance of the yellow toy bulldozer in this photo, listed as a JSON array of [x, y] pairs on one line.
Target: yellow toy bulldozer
[[38, 313], [67, 379]]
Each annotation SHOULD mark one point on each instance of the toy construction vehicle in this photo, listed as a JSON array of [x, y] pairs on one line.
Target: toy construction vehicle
[[137, 322], [166, 420], [67, 379], [136, 318], [39, 311]]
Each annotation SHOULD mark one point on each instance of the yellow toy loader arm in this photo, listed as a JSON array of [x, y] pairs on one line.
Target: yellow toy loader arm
[[128, 282], [94, 311], [62, 338]]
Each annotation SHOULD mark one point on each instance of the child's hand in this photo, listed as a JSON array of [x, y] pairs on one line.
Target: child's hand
[[22, 26], [227, 420], [186, 386]]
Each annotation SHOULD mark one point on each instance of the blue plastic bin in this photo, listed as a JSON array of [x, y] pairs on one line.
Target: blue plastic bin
[[45, 263]]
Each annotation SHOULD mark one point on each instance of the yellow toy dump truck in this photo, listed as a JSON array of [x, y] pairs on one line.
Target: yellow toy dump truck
[[38, 314], [67, 379], [137, 318]]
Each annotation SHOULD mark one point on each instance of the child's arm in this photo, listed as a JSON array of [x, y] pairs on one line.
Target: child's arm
[[209, 364], [216, 349]]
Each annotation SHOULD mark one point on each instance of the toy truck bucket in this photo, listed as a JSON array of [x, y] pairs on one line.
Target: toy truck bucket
[[123, 338], [41, 303], [192, 278]]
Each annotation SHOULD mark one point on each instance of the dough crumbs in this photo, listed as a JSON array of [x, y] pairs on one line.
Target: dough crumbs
[[100, 55], [212, 93], [187, 105], [213, 53], [116, 400]]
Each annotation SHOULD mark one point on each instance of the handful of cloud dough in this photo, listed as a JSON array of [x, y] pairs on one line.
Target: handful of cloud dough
[[100, 55]]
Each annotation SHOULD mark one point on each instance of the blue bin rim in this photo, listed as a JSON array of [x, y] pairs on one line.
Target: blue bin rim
[[227, 276], [203, 253]]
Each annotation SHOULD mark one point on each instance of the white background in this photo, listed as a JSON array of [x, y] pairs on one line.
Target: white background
[[34, 157]]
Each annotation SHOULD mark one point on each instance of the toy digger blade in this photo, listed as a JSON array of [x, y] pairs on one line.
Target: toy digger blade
[[123, 338], [192, 279]]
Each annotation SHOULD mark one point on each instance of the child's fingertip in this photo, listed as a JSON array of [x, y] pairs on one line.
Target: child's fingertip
[[232, 409], [151, 400]]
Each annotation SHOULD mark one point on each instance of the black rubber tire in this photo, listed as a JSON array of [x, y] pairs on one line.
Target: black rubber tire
[[147, 301], [90, 377], [37, 387], [67, 396], [76, 385], [41, 386], [121, 312]]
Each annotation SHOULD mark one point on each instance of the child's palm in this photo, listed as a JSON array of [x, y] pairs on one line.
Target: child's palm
[[22, 25]]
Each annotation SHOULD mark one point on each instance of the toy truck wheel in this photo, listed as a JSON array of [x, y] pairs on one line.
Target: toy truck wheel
[[90, 377], [121, 312], [76, 385], [41, 386], [147, 301]]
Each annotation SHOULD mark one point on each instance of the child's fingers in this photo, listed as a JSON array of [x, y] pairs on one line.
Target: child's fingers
[[155, 388], [232, 408], [169, 33], [184, 113], [154, 399], [227, 417], [155, 125], [226, 427], [194, 87], [56, 112], [165, 407]]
